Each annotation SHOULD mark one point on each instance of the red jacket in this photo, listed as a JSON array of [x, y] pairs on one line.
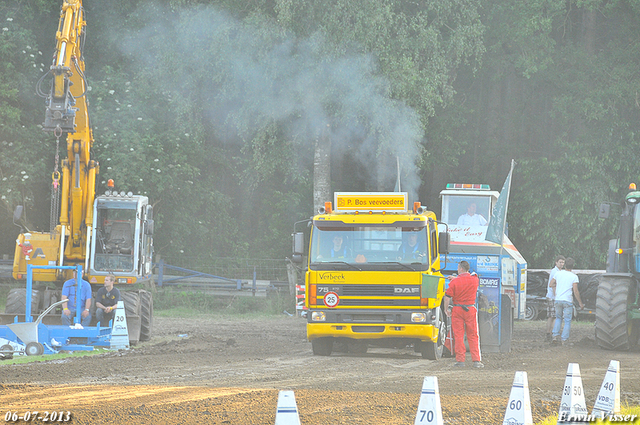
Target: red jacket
[[463, 289]]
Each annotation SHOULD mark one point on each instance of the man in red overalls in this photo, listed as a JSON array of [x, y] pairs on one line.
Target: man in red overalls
[[462, 295]]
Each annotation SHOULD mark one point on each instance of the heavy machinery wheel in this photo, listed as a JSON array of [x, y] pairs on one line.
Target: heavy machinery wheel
[[614, 329], [322, 346], [34, 349], [132, 308], [146, 315], [433, 350], [17, 301], [532, 312], [131, 302], [6, 352]]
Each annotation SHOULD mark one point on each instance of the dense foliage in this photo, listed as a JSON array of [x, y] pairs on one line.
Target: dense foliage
[[215, 109]]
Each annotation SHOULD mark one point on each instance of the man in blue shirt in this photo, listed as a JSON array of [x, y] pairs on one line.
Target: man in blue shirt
[[69, 291]]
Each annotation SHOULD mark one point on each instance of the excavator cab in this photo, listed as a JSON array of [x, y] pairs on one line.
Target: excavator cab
[[122, 243]]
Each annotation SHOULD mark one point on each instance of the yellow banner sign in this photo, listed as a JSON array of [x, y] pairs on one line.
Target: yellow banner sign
[[371, 201]]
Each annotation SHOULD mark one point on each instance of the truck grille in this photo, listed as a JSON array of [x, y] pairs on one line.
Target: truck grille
[[398, 295]]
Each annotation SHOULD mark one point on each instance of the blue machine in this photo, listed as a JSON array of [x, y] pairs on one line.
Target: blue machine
[[34, 338], [500, 267]]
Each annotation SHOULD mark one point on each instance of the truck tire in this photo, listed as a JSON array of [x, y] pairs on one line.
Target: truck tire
[[132, 309], [146, 315], [614, 329], [433, 350], [322, 346], [17, 301], [532, 311]]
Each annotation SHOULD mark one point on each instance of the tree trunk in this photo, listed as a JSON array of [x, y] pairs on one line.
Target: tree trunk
[[322, 171]]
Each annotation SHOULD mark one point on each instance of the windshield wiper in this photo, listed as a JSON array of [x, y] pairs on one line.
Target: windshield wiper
[[401, 264], [324, 263]]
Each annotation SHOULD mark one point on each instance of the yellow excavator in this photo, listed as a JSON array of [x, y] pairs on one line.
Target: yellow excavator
[[110, 233]]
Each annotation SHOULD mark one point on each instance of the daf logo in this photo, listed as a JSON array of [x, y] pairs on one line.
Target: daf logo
[[406, 290]]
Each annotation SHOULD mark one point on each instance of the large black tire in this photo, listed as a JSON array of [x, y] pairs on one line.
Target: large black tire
[[146, 315], [434, 350], [17, 301], [614, 329], [532, 311], [322, 346], [131, 301], [132, 307]]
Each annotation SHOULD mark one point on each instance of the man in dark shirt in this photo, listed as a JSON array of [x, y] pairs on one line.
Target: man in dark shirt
[[107, 300]]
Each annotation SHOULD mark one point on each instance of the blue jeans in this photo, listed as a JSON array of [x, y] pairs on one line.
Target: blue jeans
[[70, 320], [564, 310]]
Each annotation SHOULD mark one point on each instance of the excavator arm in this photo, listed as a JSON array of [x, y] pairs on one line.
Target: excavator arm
[[67, 112]]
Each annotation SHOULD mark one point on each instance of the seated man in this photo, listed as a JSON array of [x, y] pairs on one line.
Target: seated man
[[69, 292], [106, 301], [410, 248], [471, 218], [339, 250]]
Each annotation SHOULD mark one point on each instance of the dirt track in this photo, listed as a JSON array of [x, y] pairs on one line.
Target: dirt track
[[229, 372]]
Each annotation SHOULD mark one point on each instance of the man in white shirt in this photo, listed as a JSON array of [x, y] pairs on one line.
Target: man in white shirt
[[565, 286], [551, 302], [471, 218]]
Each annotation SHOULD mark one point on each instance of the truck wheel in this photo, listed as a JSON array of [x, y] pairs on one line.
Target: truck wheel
[[532, 312], [322, 346], [132, 308], [614, 328], [34, 349], [433, 350], [17, 301], [146, 315]]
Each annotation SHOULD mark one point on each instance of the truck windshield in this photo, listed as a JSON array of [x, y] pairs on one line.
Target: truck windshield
[[370, 245], [466, 210], [114, 234]]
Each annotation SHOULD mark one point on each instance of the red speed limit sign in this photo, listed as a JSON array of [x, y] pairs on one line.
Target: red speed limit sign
[[331, 299]]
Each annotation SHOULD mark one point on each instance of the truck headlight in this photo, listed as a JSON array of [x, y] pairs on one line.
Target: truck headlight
[[318, 316], [418, 317]]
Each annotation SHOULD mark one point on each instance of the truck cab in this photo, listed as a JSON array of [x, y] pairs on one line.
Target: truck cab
[[373, 275]]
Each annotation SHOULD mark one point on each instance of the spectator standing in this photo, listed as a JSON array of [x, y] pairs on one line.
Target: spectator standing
[[565, 286], [551, 301], [70, 290], [461, 293]]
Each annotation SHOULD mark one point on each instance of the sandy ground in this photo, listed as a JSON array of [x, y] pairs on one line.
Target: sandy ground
[[223, 371]]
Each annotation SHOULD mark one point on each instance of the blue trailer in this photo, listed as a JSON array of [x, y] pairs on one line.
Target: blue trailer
[[32, 337]]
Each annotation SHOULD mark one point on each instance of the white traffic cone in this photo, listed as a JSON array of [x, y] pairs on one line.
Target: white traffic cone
[[573, 409], [429, 407], [608, 400], [519, 407], [120, 331], [287, 413]]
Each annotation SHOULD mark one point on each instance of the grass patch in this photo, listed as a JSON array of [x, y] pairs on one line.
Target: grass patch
[[625, 411], [171, 303], [50, 357]]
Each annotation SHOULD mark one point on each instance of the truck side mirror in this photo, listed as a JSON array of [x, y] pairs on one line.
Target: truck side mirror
[[604, 211], [298, 246], [443, 243], [148, 228]]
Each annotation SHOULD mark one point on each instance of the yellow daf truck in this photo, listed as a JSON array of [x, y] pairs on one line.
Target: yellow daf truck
[[373, 275]]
